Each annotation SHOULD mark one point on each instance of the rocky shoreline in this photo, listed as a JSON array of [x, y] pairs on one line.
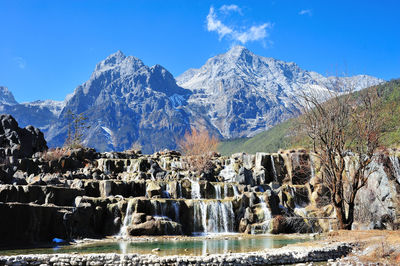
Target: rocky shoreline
[[285, 255]]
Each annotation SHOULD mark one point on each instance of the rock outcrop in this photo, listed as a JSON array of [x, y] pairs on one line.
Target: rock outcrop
[[17, 143], [82, 193]]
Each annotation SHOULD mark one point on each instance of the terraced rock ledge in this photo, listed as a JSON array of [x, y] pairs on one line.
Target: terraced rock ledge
[[284, 255]]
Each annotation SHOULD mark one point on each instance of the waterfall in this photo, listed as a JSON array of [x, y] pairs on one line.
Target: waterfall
[[396, 167], [200, 217], [165, 192], [235, 191], [228, 173], [195, 190], [179, 190], [127, 220], [312, 166], [176, 209], [159, 209], [215, 216], [217, 188], [267, 215], [273, 169], [225, 191]]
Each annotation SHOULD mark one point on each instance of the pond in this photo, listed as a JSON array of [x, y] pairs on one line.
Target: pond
[[172, 246]]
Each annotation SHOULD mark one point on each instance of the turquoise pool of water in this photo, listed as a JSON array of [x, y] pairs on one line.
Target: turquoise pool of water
[[171, 246]]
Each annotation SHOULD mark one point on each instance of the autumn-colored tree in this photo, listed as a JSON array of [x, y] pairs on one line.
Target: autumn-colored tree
[[199, 147], [345, 132]]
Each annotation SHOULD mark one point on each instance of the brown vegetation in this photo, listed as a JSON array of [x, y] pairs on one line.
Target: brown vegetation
[[55, 154], [199, 146]]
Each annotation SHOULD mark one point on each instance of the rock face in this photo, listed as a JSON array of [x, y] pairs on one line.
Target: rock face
[[19, 142], [126, 101], [82, 193], [233, 95], [242, 94]]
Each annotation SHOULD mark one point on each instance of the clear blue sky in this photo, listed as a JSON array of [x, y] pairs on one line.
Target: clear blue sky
[[48, 48]]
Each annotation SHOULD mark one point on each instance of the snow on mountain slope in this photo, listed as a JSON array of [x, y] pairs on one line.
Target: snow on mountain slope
[[6, 97], [243, 93]]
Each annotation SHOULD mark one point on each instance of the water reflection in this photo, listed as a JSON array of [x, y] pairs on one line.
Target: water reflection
[[190, 246]]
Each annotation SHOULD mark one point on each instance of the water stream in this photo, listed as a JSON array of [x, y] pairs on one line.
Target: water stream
[[123, 232], [396, 167]]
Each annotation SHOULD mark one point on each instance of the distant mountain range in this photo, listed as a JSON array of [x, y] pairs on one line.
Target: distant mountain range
[[286, 135], [236, 94]]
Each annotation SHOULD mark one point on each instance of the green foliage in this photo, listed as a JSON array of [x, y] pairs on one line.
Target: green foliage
[[278, 137], [288, 135], [76, 128]]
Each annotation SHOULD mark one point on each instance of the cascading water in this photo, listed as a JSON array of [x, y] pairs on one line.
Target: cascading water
[[179, 190], [312, 165], [225, 191], [195, 190], [200, 217], [235, 191], [273, 169], [228, 172], [165, 192], [266, 215], [215, 216], [396, 167], [127, 220], [217, 188], [176, 209]]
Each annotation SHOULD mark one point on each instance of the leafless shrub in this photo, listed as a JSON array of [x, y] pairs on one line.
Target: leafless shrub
[[55, 154], [199, 147]]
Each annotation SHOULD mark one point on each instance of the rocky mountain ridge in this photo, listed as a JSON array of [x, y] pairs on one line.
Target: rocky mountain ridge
[[243, 93], [235, 94]]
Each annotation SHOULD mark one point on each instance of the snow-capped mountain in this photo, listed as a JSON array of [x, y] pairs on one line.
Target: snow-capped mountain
[[233, 95], [55, 107], [38, 113], [126, 101], [6, 97], [242, 93]]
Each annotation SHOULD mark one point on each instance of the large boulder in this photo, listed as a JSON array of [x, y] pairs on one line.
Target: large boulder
[[155, 227], [19, 142]]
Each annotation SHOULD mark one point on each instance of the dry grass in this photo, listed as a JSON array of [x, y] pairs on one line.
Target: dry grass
[[55, 154], [374, 246]]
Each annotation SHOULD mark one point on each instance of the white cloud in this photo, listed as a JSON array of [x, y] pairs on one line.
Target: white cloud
[[20, 62], [230, 8], [213, 24], [255, 33], [305, 12], [243, 34]]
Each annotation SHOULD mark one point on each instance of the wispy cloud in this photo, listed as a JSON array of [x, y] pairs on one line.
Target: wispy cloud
[[305, 12], [20, 62], [230, 8], [241, 34]]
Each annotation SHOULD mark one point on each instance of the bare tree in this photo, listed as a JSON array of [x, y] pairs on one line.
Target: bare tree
[[345, 131], [76, 127], [199, 146]]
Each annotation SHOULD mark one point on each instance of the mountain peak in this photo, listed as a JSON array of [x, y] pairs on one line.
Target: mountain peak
[[237, 51], [117, 55], [6, 97], [118, 59]]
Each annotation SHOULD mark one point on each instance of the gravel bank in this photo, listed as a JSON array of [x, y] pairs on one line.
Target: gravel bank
[[285, 255]]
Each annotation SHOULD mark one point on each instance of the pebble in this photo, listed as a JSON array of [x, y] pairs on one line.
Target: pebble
[[272, 256]]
